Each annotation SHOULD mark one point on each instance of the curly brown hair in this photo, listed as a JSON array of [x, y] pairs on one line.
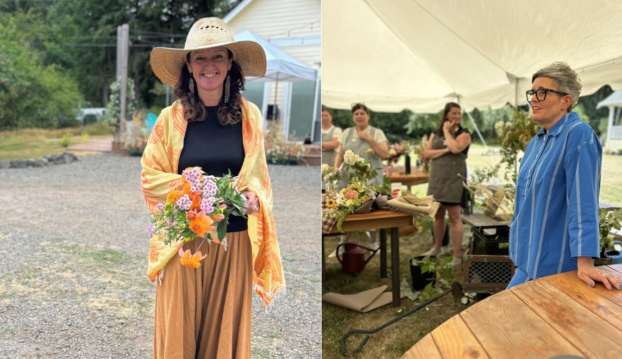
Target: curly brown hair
[[228, 113]]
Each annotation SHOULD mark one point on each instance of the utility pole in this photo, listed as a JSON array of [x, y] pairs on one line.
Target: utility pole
[[123, 50]]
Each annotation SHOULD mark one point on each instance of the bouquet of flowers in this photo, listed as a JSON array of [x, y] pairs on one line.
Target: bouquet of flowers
[[420, 150], [357, 168], [200, 210], [398, 149], [330, 177], [346, 201]]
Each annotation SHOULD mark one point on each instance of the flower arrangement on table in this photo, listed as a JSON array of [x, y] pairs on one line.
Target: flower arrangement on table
[[200, 210], [396, 150], [357, 192], [330, 177], [420, 150]]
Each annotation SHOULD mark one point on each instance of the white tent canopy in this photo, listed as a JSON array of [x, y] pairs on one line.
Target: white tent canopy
[[281, 66], [420, 54]]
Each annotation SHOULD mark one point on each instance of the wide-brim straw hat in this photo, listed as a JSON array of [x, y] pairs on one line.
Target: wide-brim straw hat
[[207, 33]]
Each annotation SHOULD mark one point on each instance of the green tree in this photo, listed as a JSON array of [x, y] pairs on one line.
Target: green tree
[[37, 95]]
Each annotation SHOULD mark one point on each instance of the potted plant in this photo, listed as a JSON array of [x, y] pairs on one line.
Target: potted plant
[[607, 220]]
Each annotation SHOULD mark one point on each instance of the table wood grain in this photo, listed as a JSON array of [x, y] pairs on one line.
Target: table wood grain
[[543, 318]]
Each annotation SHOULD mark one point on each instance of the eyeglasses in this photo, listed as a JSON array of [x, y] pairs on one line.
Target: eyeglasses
[[541, 94]]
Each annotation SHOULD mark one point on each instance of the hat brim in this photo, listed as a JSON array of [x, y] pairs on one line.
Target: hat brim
[[167, 62]]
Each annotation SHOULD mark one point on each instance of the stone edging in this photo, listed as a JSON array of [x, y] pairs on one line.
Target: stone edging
[[50, 160]]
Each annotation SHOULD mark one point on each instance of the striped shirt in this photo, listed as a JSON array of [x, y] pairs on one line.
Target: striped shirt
[[556, 209]]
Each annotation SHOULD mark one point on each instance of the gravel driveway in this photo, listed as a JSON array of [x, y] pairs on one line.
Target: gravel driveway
[[73, 259]]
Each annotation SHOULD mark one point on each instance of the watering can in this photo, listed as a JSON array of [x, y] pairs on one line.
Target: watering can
[[353, 257]]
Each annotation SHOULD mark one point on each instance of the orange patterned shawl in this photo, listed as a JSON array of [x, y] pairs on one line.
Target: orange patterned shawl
[[159, 176]]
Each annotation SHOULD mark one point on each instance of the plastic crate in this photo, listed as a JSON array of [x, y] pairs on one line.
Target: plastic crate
[[487, 272], [486, 241]]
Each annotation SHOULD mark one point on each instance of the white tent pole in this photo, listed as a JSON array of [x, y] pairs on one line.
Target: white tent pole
[[609, 127], [315, 105], [516, 93], [477, 130], [276, 91]]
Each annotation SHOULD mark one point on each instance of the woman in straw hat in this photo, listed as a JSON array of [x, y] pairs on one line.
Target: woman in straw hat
[[206, 312]]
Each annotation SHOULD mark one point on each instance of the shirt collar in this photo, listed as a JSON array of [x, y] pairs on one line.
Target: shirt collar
[[559, 126]]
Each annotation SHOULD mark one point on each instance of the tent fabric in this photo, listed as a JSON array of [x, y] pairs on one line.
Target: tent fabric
[[420, 54], [279, 63]]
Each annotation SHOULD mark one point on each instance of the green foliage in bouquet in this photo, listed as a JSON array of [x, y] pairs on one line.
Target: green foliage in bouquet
[[204, 204], [514, 138]]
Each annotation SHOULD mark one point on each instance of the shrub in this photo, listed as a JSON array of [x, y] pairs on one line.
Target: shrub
[[65, 141]]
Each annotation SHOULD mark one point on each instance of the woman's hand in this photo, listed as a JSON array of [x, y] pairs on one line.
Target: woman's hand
[[447, 125], [252, 203], [590, 274], [364, 135]]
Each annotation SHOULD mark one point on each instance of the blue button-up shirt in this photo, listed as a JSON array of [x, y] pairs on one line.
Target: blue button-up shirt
[[556, 209]]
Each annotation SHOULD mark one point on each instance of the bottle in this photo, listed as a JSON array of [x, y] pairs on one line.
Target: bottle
[[407, 164]]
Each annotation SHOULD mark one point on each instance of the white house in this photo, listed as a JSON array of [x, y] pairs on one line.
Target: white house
[[294, 27]]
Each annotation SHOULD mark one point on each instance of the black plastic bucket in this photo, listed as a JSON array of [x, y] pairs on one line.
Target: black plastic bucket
[[420, 280]]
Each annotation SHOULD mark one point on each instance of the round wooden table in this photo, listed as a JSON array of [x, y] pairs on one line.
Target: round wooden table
[[544, 318]]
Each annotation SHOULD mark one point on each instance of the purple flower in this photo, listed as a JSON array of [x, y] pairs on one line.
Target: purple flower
[[150, 228], [184, 202], [169, 222], [160, 207], [209, 188], [207, 204], [192, 175]]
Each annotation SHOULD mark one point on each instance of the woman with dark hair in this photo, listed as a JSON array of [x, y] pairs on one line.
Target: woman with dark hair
[[368, 142], [330, 137], [206, 312], [448, 149]]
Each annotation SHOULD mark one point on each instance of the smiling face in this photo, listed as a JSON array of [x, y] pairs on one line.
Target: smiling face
[[455, 115], [209, 69], [554, 106], [360, 118]]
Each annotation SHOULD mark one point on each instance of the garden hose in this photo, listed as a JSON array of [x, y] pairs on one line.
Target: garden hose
[[342, 342]]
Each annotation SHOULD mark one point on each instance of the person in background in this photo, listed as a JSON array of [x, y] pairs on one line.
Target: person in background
[[448, 150], [555, 227], [330, 137], [368, 142]]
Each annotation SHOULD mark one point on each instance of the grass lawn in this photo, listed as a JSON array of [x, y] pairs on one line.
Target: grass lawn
[[611, 181], [36, 143], [395, 340]]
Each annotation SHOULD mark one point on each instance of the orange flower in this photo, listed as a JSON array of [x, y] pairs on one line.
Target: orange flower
[[191, 215], [173, 196], [217, 216], [352, 194], [201, 224], [189, 260], [196, 203]]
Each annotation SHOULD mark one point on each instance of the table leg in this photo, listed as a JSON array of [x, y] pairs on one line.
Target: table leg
[[383, 253], [395, 265], [323, 261]]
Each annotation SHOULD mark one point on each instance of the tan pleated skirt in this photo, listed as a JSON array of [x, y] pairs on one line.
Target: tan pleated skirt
[[205, 313]]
